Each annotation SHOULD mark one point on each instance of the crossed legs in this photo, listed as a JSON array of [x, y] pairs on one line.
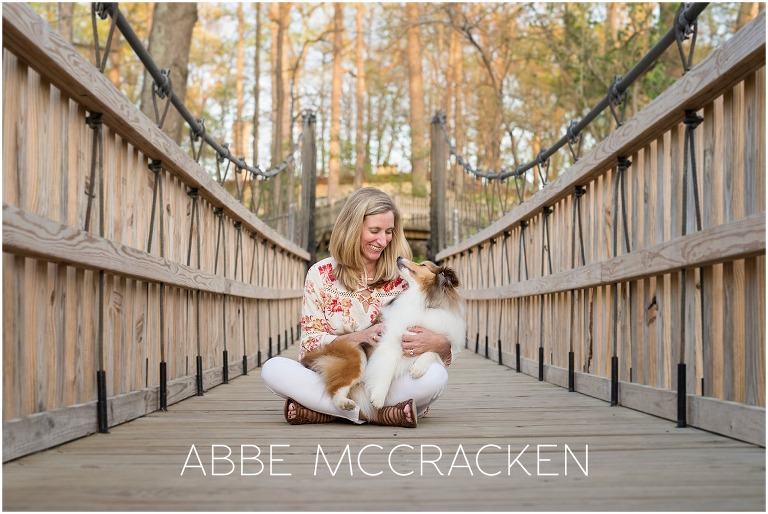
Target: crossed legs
[[304, 390]]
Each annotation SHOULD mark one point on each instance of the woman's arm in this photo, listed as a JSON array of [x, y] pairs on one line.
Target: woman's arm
[[316, 330]]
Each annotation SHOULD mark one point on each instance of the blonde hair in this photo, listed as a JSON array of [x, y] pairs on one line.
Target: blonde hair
[[345, 238]]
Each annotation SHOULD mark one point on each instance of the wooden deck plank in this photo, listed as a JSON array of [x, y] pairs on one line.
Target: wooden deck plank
[[635, 461]]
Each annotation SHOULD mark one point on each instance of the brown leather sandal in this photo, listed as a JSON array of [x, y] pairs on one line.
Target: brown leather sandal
[[303, 415], [394, 416]]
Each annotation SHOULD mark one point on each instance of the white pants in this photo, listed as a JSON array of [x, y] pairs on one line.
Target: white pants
[[290, 379]]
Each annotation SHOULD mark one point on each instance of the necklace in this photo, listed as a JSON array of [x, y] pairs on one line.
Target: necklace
[[365, 282]]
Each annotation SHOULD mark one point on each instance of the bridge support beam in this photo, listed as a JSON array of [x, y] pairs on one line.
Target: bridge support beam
[[438, 161], [309, 183]]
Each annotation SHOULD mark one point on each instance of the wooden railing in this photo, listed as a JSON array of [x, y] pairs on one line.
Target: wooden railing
[[629, 318], [160, 301]]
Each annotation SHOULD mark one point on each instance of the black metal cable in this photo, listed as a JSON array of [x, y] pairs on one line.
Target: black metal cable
[[97, 159], [622, 165], [161, 93], [194, 219], [269, 305], [505, 264], [258, 310], [506, 261], [194, 194], [219, 212], [101, 64], [491, 268], [239, 250], [692, 120], [94, 122], [157, 192], [683, 30], [580, 191], [477, 303], [522, 259], [545, 247]]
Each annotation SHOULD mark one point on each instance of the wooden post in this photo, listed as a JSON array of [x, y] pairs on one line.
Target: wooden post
[[309, 184], [438, 159]]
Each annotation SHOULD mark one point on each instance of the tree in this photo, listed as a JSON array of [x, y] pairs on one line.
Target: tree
[[416, 91], [256, 90], [334, 164], [360, 106], [747, 11], [281, 119], [454, 109], [169, 42], [239, 140], [66, 23]]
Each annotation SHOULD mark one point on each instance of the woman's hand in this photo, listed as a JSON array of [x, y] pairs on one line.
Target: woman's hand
[[370, 335], [420, 340]]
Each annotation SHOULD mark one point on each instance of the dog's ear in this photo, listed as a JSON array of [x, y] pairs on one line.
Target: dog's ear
[[448, 276]]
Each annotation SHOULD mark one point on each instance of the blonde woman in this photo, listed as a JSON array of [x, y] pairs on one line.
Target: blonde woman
[[343, 295]]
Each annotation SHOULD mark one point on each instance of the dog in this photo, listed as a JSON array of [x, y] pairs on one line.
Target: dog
[[359, 374]]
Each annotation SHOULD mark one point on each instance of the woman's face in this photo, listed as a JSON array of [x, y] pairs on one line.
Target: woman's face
[[376, 235]]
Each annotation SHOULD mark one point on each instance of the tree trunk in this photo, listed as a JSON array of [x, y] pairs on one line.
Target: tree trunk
[[113, 68], [279, 18], [380, 128], [169, 42], [334, 165], [276, 31], [611, 26], [747, 11], [360, 108], [416, 90], [66, 24], [285, 131], [239, 142], [455, 109], [368, 127], [256, 76], [323, 171]]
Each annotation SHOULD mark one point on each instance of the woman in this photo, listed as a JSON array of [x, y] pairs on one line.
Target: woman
[[343, 295]]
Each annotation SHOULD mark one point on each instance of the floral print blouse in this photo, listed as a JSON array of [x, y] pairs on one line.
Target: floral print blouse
[[330, 309]]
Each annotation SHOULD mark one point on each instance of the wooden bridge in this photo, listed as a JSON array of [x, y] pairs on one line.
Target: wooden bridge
[[496, 441], [140, 299]]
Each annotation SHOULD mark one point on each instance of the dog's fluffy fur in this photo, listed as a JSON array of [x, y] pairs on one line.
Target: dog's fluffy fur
[[355, 375]]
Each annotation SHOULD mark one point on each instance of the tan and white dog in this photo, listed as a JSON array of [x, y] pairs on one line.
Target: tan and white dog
[[357, 374]]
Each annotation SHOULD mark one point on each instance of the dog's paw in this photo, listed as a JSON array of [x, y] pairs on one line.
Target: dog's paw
[[422, 364], [418, 368], [377, 397], [342, 400], [345, 404]]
